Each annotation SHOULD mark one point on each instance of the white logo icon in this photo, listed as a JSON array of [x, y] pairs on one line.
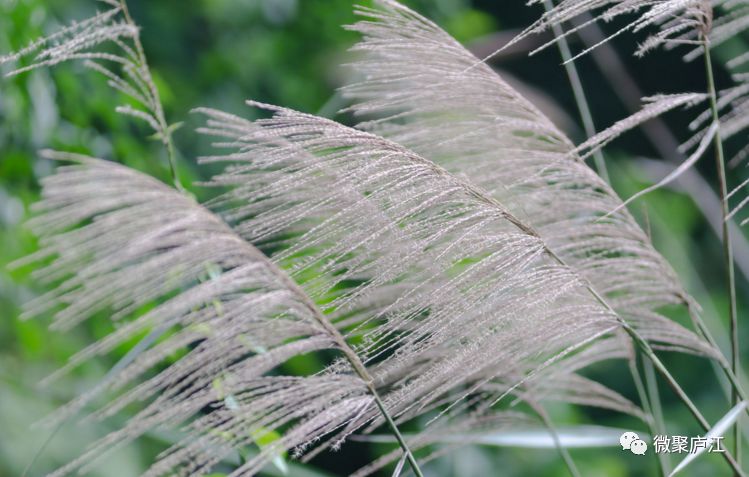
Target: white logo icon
[[632, 442]]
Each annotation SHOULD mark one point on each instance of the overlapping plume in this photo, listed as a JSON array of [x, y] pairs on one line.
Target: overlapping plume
[[430, 94], [459, 252], [696, 25]]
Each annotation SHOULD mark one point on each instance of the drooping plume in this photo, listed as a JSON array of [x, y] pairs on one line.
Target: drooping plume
[[476, 262], [402, 243], [108, 43], [241, 316], [422, 89], [431, 277]]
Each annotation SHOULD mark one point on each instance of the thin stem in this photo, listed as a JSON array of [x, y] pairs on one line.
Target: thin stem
[[394, 428], [727, 246], [579, 92], [165, 133], [352, 358], [674, 385], [648, 351], [555, 436], [656, 411], [645, 400], [724, 365]]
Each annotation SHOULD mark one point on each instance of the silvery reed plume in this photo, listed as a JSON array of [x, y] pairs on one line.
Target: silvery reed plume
[[449, 255]]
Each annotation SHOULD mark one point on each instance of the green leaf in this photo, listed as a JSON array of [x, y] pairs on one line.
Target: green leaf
[[169, 130], [399, 467], [718, 430], [265, 437]]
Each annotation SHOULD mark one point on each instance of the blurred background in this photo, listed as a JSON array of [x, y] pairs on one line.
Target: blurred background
[[218, 53]]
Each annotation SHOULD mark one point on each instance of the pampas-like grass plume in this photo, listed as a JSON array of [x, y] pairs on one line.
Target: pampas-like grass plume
[[448, 282], [431, 94], [458, 252], [108, 43], [676, 22]]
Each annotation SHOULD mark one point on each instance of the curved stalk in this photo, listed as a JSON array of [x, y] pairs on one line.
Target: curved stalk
[[674, 385], [662, 369], [352, 358], [563, 452], [727, 246], [164, 132]]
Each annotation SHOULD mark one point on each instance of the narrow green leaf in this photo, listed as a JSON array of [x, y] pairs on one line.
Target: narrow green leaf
[[157, 136], [265, 437], [717, 431], [399, 467]]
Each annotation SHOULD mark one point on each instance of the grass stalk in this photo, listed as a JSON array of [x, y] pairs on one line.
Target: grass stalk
[[394, 428], [579, 93], [656, 411], [727, 246], [645, 400], [563, 452], [647, 350], [356, 364], [674, 385], [733, 378], [164, 132]]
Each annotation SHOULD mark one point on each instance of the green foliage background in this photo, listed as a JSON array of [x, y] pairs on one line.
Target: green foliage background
[[220, 52]]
